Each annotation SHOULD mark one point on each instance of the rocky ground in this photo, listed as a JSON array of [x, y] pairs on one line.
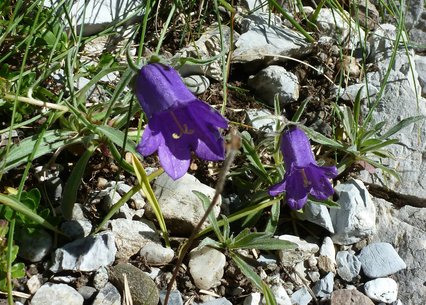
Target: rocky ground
[[370, 251]]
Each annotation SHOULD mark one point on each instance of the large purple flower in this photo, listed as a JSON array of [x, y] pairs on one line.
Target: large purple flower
[[178, 122], [303, 176]]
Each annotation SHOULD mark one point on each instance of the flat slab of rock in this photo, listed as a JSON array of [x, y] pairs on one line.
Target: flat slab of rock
[[181, 208], [380, 259], [57, 294], [348, 265], [206, 266], [86, 254], [356, 218], [301, 253], [349, 297]]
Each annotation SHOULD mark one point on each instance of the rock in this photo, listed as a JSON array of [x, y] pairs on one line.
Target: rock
[[380, 259], [301, 297], [57, 294], [402, 85], [206, 47], [88, 293], [326, 260], [101, 278], [156, 254], [87, 254], [302, 252], [324, 287], [175, 297], [281, 295], [350, 92], [197, 84], [348, 265], [33, 283], [275, 80], [356, 218], [412, 12], [142, 288], [78, 226], [253, 298], [181, 208], [349, 297], [220, 301], [263, 35], [417, 33], [330, 22], [131, 235], [96, 16], [404, 228], [317, 214], [261, 119], [382, 290], [34, 246], [139, 201], [108, 295], [420, 62], [206, 266]]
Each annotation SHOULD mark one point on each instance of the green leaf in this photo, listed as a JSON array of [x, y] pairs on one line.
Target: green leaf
[[319, 138], [52, 140], [69, 196], [21, 208], [402, 124], [212, 218], [117, 137], [247, 270], [149, 193], [328, 202], [260, 241], [378, 146]]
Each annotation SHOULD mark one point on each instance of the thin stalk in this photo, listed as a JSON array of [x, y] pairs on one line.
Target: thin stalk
[[235, 145], [35, 102], [165, 28]]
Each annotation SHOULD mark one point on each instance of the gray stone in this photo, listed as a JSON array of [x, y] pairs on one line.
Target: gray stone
[[101, 278], [350, 92], [206, 266], [326, 260], [261, 119], [34, 246], [87, 254], [181, 208], [412, 12], [317, 214], [220, 301], [355, 220], [301, 297], [156, 254], [95, 16], [324, 287], [131, 235], [175, 297], [341, 27], [206, 47], [348, 265], [382, 290], [142, 288], [275, 80], [263, 35], [77, 229], [57, 294], [380, 259], [253, 298], [405, 229], [108, 295], [34, 283], [197, 84], [418, 33], [87, 292], [280, 294], [420, 62], [302, 251]]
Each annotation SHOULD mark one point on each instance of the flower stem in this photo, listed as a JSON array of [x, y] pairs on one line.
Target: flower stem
[[32, 101]]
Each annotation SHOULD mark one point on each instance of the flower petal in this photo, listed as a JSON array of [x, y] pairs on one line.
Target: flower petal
[[277, 189], [150, 140], [297, 189], [317, 176], [174, 165], [201, 111]]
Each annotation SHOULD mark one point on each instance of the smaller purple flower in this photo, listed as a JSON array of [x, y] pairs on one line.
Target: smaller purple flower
[[178, 122], [303, 175]]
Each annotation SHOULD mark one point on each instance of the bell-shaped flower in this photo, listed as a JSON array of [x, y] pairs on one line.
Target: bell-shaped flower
[[303, 175], [178, 122]]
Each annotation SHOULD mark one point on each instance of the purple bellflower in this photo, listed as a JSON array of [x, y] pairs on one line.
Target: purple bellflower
[[303, 175], [178, 122]]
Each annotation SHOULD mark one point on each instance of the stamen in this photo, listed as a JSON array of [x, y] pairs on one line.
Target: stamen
[[182, 129], [306, 182]]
